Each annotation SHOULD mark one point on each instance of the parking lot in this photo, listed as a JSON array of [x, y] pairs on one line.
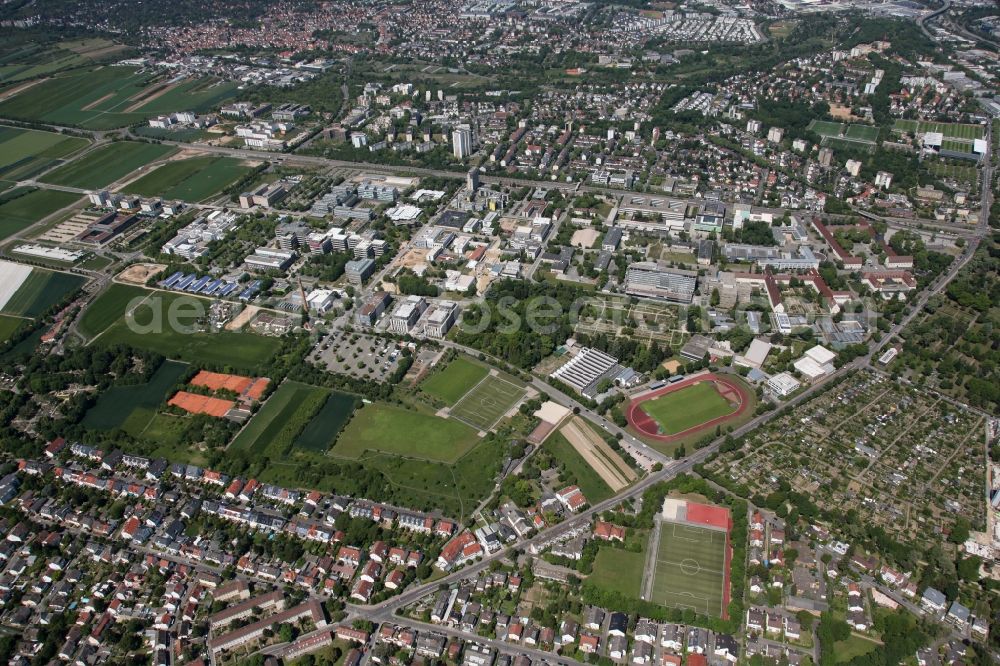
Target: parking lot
[[358, 355]]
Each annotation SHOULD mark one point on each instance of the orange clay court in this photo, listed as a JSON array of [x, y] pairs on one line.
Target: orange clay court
[[201, 404], [244, 386]]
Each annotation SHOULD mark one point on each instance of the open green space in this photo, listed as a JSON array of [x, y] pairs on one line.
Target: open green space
[[689, 407], [273, 430], [193, 179], [25, 153], [150, 325], [41, 291], [323, 429], [690, 569], [27, 60], [455, 380], [404, 432], [487, 402], [618, 571], [854, 646], [110, 97], [9, 326], [120, 405], [590, 482], [107, 164], [19, 209]]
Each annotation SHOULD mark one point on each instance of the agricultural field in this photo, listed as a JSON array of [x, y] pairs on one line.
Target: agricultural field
[[25, 153], [590, 482], [273, 430], [320, 433], [487, 402], [681, 410], [132, 408], [107, 164], [690, 568], [455, 380], [108, 308], [193, 179], [111, 97], [598, 454], [22, 207], [950, 130], [31, 60], [105, 320], [40, 291], [404, 432], [9, 326]]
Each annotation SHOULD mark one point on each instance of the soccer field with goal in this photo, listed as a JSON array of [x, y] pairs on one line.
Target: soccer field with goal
[[690, 568]]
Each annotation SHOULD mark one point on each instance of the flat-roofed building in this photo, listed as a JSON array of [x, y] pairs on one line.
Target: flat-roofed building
[[651, 281], [406, 314]]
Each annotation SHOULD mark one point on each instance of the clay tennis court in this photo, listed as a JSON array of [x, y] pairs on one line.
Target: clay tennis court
[[201, 404], [648, 426], [245, 386]]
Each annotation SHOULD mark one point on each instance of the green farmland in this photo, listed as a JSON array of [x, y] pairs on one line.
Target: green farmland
[[9, 326], [455, 380], [133, 407], [273, 430], [22, 207], [590, 482], [323, 430], [105, 319], [111, 97], [25, 153], [193, 179], [41, 291], [107, 164], [404, 432]]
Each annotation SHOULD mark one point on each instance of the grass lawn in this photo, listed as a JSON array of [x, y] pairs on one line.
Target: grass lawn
[[41, 291], [323, 430], [455, 380], [273, 429], [680, 410], [24, 153], [193, 179], [487, 402], [19, 211], [106, 318], [404, 432], [592, 485], [690, 568], [107, 164], [854, 646], [116, 406], [618, 571], [9, 326]]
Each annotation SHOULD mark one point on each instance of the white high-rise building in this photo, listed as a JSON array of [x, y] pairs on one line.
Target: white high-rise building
[[461, 141]]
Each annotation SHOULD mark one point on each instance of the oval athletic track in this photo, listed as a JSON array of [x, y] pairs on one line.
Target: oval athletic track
[[648, 427]]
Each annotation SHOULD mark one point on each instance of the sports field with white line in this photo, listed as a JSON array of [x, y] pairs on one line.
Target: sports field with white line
[[690, 568]]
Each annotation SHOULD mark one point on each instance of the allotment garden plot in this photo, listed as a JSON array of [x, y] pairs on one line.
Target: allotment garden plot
[[643, 321], [845, 134], [902, 459]]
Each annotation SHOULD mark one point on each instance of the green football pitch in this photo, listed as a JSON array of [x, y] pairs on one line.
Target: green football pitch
[[689, 572], [678, 411], [488, 400]]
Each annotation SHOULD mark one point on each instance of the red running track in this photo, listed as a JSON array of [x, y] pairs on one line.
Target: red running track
[[645, 424]]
